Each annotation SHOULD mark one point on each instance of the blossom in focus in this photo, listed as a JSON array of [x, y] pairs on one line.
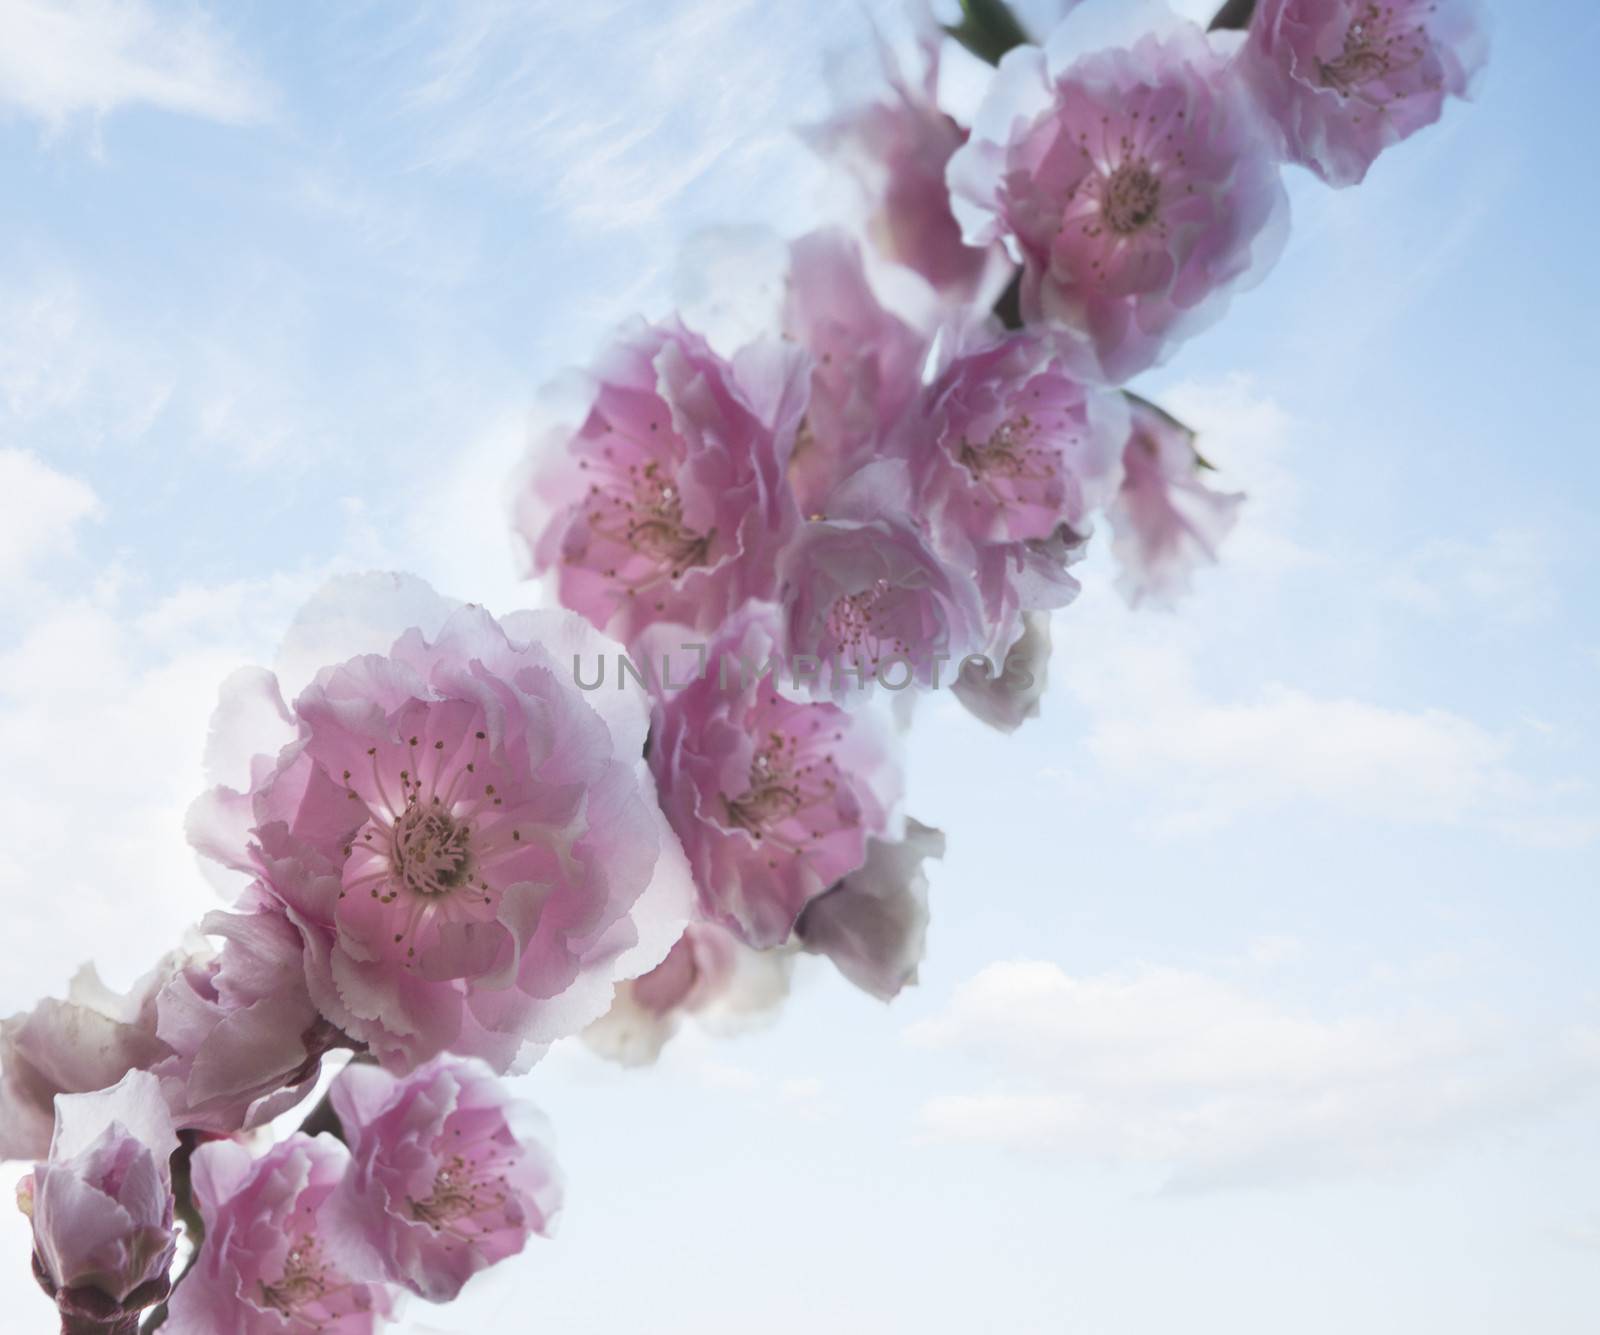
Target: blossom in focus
[[85, 1043], [1008, 698], [668, 503], [871, 600], [266, 1266], [447, 1175], [896, 148], [1015, 443], [710, 974], [1345, 79], [1015, 446], [873, 925], [1165, 521], [1136, 186], [773, 798], [245, 1037], [468, 844], [102, 1206], [866, 364]]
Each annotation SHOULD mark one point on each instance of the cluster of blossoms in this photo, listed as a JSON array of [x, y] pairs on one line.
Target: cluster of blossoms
[[449, 851]]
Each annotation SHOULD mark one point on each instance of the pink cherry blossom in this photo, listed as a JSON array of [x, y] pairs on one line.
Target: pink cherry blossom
[[447, 1175], [774, 799], [873, 925], [1136, 186], [872, 601], [245, 1036], [1016, 445], [711, 975], [668, 503], [468, 844], [866, 364], [1345, 79], [1015, 441], [896, 147], [102, 1206], [1165, 521], [85, 1043], [1008, 698], [266, 1267]]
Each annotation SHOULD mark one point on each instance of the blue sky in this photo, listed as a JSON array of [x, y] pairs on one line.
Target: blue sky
[[1260, 993]]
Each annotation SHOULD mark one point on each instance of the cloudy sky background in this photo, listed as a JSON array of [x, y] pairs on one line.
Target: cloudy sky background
[[1260, 994]]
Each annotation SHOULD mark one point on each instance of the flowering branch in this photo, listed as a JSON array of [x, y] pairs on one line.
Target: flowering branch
[[456, 854]]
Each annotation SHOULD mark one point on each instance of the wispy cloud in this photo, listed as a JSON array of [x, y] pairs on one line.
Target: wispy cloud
[[64, 59], [606, 108], [1503, 578], [40, 510], [1223, 1087]]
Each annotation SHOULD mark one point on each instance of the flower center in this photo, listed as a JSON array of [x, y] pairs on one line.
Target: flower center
[[1371, 51], [856, 621], [1131, 198], [432, 851], [648, 517], [774, 795], [1008, 453], [455, 1196], [787, 792], [305, 1279]]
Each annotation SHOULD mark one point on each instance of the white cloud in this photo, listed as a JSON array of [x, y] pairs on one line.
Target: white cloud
[[1505, 577], [1222, 1087], [1202, 758], [66, 58], [63, 369], [103, 718], [40, 510]]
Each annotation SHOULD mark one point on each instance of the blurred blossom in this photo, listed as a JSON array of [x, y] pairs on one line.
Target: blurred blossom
[[1343, 80], [1165, 521], [85, 1043], [873, 925]]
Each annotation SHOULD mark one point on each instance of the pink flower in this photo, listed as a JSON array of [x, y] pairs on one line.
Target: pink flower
[[866, 365], [85, 1043], [246, 1037], [265, 1267], [897, 149], [710, 975], [1016, 441], [1015, 447], [773, 799], [468, 844], [447, 1176], [873, 925], [1136, 187], [1165, 522], [102, 1205], [1007, 699], [669, 503], [1345, 79], [871, 601]]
